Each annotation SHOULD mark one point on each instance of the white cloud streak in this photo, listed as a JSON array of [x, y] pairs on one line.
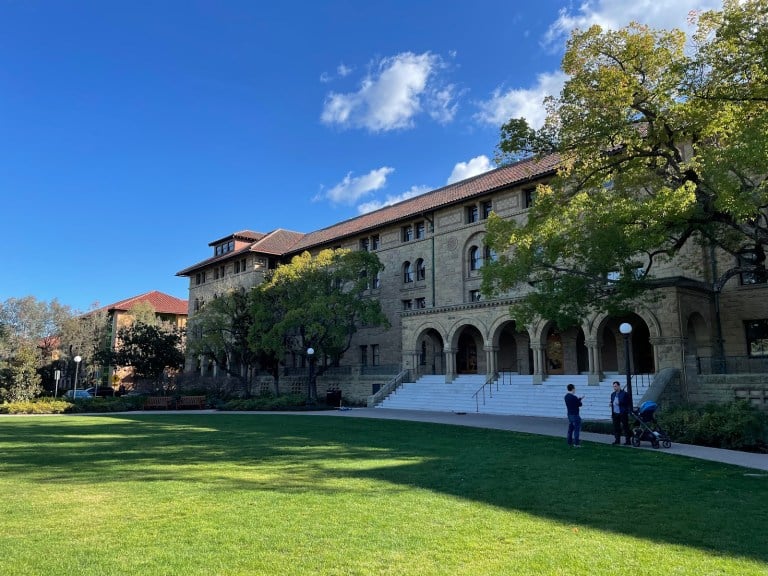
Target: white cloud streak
[[527, 103], [351, 189], [390, 200], [464, 170], [402, 87]]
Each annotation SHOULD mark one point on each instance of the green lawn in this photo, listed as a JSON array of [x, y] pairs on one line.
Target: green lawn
[[268, 494]]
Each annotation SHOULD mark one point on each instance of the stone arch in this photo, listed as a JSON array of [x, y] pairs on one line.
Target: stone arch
[[512, 346], [429, 352], [612, 348], [697, 337]]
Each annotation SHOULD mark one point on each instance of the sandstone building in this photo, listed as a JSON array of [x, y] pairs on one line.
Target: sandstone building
[[433, 251]]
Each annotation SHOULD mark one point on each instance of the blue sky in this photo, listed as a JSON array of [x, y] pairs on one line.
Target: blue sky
[[132, 134]]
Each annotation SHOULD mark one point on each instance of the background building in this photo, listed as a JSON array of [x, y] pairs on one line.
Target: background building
[[433, 252]]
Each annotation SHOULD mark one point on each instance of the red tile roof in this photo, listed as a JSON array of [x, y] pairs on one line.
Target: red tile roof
[[161, 302], [247, 235], [460, 191], [282, 242]]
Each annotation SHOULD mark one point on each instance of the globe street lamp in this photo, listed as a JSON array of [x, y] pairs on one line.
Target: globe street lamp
[[626, 330], [77, 368], [310, 385]]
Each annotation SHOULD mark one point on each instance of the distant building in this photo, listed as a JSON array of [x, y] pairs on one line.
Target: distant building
[[167, 309], [433, 252]]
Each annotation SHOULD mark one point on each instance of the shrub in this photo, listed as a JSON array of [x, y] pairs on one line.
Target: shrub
[[268, 402], [39, 406], [734, 426]]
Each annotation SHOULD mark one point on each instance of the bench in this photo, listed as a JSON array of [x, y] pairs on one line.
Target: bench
[[196, 402], [158, 402]]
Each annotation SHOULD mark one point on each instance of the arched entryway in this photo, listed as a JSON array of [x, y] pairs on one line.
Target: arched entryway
[[613, 347], [470, 358], [514, 350], [430, 357]]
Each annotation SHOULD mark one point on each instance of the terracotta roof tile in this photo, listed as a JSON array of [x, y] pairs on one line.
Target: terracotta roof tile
[[247, 235], [162, 303], [281, 242], [489, 181], [277, 242]]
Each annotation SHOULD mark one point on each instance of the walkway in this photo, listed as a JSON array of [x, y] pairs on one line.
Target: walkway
[[549, 427]]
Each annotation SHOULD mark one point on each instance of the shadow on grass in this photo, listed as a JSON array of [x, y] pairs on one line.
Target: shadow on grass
[[647, 495]]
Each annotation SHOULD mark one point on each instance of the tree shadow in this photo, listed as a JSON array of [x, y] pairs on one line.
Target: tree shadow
[[644, 494]]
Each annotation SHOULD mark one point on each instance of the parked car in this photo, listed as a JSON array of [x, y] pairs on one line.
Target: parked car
[[79, 394], [103, 391]]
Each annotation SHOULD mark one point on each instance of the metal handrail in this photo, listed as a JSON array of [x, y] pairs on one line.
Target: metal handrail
[[385, 390], [489, 383]]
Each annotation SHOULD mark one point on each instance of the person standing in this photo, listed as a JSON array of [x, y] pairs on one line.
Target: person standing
[[572, 404], [620, 414]]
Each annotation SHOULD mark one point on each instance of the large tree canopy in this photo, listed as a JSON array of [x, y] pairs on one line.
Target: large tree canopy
[[316, 302], [663, 143]]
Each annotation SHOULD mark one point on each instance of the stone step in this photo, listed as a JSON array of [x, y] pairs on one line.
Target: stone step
[[511, 394]]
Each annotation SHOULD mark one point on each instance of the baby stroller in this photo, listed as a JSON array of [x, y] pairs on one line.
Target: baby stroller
[[647, 428]]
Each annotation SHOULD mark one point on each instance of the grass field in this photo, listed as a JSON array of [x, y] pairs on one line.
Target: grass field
[[227, 494]]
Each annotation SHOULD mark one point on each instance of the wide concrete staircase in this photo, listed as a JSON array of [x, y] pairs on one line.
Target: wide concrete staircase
[[511, 394]]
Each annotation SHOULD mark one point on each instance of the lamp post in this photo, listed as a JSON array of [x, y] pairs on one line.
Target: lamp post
[[626, 330], [310, 385], [77, 360]]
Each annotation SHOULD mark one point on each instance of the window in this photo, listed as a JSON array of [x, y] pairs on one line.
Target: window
[[407, 272], [376, 281], [421, 302], [375, 355], [757, 337], [487, 208], [756, 276], [472, 214], [529, 195], [240, 266], [219, 272], [475, 259], [200, 278], [475, 296], [407, 304], [364, 355], [420, 230], [364, 244], [375, 242], [489, 255], [421, 270], [407, 233]]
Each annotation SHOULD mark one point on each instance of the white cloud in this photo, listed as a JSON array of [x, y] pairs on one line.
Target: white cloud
[[351, 189], [464, 170], [401, 88], [525, 103], [376, 204], [528, 103], [615, 14], [343, 70]]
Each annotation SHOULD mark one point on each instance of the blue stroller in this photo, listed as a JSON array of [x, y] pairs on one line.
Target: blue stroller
[[647, 428]]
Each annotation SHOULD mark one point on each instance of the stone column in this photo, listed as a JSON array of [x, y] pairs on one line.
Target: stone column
[[450, 364], [538, 362], [593, 355]]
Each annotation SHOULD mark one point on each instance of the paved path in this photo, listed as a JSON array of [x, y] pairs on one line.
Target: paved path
[[549, 427]]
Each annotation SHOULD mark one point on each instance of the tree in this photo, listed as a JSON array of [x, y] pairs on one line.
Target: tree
[[660, 151], [19, 378], [149, 350], [30, 337], [88, 336], [316, 302], [222, 328]]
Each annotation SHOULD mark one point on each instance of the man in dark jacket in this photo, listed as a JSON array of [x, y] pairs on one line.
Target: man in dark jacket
[[572, 405], [620, 414]]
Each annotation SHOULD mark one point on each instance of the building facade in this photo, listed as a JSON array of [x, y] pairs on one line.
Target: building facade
[[433, 252]]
